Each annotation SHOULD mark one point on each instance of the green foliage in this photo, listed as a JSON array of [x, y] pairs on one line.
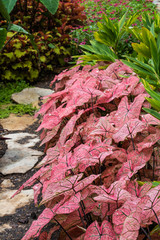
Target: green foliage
[[154, 101], [114, 10], [24, 59], [147, 63], [6, 90], [19, 109], [105, 47], [97, 52], [6, 105]]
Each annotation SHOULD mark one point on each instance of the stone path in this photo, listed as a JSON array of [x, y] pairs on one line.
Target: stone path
[[17, 165]]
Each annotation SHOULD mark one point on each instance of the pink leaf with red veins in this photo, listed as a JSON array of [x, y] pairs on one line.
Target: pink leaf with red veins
[[119, 154], [139, 89], [118, 197], [122, 213], [129, 130], [50, 134], [103, 128], [42, 171], [136, 190], [37, 225], [127, 112], [70, 205], [131, 227], [54, 189], [134, 162], [88, 155], [149, 141], [149, 119], [68, 129], [67, 186], [103, 232]]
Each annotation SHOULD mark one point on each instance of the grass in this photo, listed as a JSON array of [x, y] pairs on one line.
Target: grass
[[7, 106]]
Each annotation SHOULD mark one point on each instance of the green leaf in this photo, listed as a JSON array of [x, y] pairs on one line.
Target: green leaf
[[132, 19], [122, 21], [43, 59], [17, 28], [9, 55], [154, 103], [9, 4], [155, 229], [3, 36], [51, 45], [141, 49], [51, 5], [3, 11], [18, 53]]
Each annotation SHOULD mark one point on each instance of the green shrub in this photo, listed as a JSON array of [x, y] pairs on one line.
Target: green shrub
[[19, 59]]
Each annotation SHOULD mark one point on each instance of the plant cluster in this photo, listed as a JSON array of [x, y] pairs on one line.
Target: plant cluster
[[99, 142], [114, 10], [51, 33]]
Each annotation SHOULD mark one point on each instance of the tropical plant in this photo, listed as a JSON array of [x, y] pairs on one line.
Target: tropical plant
[[105, 47], [6, 6], [51, 34], [98, 142]]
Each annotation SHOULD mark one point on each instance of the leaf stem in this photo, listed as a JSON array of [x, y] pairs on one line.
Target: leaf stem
[[146, 233], [63, 228]]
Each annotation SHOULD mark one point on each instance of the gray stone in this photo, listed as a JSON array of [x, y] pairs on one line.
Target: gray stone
[[19, 157], [18, 160], [28, 140], [9, 205], [43, 91], [30, 95]]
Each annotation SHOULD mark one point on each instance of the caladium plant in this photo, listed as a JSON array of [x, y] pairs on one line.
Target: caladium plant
[[99, 141]]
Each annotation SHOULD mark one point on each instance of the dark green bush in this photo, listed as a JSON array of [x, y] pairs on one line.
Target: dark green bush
[[19, 60]]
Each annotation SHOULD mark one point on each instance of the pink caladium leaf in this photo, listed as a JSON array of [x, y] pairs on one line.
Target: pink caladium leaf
[[129, 130], [134, 162], [42, 171], [69, 186], [70, 205], [136, 190], [127, 112], [131, 227], [50, 134], [119, 196], [122, 213], [139, 89], [103, 128], [149, 141], [68, 129], [103, 232], [37, 225], [149, 119]]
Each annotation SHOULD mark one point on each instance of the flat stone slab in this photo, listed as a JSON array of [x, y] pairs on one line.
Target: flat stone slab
[[7, 183], [30, 95], [14, 122], [22, 139], [4, 227], [8, 206], [19, 157], [18, 160]]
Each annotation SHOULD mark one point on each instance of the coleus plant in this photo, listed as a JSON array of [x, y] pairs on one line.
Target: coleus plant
[[98, 143]]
